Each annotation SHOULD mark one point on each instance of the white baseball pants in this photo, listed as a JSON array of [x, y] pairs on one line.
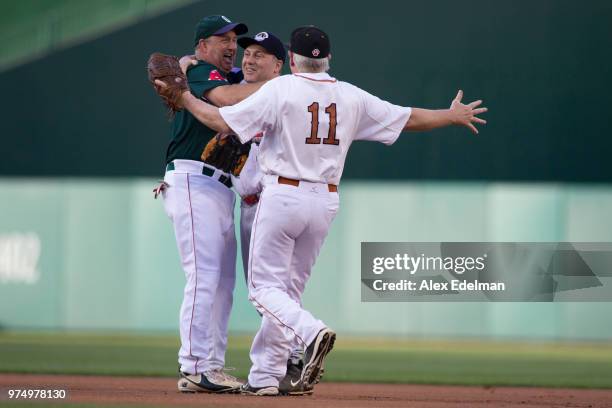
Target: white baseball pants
[[247, 216], [201, 210], [290, 226]]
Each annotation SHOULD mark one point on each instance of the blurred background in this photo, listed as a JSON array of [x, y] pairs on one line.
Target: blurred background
[[83, 245]]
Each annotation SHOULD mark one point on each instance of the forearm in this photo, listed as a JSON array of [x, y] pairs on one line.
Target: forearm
[[205, 113], [427, 119], [228, 95]]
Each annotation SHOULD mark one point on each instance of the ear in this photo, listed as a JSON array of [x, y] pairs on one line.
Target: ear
[[329, 56], [291, 63], [279, 66], [201, 45]]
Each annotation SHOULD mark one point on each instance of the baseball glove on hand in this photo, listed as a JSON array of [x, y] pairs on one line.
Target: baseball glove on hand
[[226, 153], [166, 68]]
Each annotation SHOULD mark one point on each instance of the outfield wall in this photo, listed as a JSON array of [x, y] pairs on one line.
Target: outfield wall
[[100, 254]]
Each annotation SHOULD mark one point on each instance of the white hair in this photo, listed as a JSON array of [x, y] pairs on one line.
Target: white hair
[[311, 65]]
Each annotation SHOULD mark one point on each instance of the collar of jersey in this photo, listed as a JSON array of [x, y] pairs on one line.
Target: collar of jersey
[[318, 76]]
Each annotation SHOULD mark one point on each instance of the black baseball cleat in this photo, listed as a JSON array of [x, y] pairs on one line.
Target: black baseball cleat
[[215, 382], [315, 355], [292, 383], [270, 391], [320, 375]]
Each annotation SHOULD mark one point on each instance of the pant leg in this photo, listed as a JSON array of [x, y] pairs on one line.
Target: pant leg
[[289, 223], [302, 262], [200, 209], [247, 217], [222, 306]]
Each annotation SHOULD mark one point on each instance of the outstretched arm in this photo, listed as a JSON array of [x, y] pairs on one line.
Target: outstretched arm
[[458, 114], [204, 112]]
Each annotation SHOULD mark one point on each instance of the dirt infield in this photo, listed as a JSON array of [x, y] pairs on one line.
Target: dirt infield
[[162, 391]]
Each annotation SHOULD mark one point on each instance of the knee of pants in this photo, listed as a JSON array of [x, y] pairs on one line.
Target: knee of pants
[[257, 295], [253, 293]]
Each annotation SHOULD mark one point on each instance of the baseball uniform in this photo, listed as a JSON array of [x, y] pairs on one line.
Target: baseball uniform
[[200, 204], [309, 121]]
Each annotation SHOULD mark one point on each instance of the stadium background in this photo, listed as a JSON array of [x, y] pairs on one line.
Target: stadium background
[[84, 247]]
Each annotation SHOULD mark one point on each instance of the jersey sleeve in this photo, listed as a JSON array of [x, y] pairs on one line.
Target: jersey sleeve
[[204, 77], [380, 121], [254, 115]]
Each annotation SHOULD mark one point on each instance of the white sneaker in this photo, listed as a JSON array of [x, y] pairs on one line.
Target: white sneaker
[[210, 381], [270, 391]]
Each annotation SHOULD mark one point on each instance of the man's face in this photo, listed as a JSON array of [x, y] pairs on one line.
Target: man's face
[[259, 65], [221, 50]]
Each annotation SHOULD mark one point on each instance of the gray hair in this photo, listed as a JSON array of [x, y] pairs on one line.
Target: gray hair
[[311, 65]]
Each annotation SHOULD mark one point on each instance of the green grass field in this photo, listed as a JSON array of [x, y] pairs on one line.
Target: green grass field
[[355, 360]]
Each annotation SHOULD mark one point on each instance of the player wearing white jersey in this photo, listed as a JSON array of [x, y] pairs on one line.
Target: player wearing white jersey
[[264, 56], [310, 120]]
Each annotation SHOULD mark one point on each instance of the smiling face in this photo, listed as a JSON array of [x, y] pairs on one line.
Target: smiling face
[[219, 50], [259, 65]]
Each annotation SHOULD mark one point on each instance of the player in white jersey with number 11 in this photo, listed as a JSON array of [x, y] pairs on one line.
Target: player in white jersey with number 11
[[310, 120]]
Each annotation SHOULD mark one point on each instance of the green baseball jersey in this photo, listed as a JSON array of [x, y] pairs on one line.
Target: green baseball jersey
[[189, 136]]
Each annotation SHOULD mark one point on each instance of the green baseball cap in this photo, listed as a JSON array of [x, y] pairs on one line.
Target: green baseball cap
[[217, 25]]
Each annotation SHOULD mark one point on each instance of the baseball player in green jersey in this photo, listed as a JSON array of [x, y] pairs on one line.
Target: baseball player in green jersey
[[264, 56], [199, 201]]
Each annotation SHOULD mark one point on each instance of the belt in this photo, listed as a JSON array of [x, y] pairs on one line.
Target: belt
[[284, 180], [207, 171], [251, 199]]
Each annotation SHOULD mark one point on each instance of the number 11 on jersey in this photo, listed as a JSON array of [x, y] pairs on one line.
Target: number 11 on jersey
[[314, 128]]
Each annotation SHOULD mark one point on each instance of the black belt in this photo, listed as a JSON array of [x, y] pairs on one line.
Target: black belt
[[207, 171]]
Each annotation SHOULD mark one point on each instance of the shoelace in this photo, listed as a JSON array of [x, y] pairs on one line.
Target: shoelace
[[228, 376], [296, 356], [221, 374]]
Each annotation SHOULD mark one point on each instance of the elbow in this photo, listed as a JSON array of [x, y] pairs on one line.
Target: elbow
[[222, 101], [219, 97], [418, 121], [230, 100], [411, 124]]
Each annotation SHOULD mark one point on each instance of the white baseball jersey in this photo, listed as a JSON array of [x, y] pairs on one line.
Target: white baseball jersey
[[310, 121]]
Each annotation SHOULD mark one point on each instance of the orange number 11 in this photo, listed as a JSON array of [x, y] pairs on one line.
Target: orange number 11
[[314, 128]]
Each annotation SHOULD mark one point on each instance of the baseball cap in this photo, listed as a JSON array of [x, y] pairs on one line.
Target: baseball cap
[[311, 42], [217, 25], [269, 41]]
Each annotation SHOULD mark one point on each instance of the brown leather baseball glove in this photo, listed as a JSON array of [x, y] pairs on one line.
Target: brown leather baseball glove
[[166, 68], [226, 153]]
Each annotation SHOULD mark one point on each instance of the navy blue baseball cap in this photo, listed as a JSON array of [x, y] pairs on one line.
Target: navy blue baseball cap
[[217, 25], [310, 41], [268, 41]]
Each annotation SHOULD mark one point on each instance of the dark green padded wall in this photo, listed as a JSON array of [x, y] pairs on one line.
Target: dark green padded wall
[[542, 68]]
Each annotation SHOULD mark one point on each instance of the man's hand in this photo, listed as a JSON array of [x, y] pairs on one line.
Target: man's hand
[[465, 115], [187, 62], [172, 96]]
